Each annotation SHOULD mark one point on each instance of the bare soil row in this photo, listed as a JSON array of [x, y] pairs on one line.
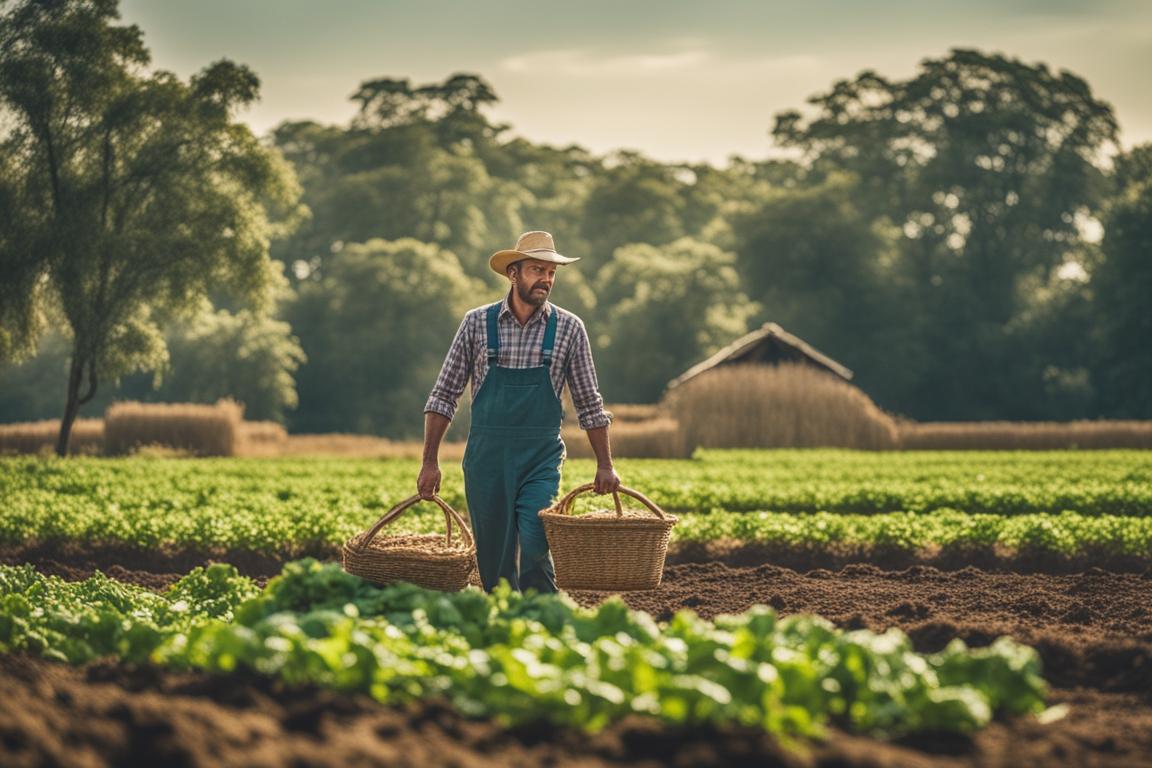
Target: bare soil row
[[180, 560]]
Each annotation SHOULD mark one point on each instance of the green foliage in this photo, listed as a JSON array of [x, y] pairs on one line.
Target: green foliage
[[632, 200], [30, 390], [986, 164], [376, 322], [1064, 535], [668, 308], [216, 591], [934, 229], [243, 355], [1061, 503], [1122, 283], [134, 193], [411, 165], [525, 658], [81, 621], [838, 285], [246, 356], [999, 482], [450, 111], [929, 225]]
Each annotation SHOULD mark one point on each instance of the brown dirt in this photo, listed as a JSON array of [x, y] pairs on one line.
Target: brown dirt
[[172, 560], [112, 715], [1092, 629], [80, 559], [88, 557], [738, 553]]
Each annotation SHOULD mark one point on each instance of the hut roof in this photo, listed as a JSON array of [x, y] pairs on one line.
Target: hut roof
[[768, 344]]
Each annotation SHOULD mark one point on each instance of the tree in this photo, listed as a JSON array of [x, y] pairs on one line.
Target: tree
[[397, 173], [448, 199], [1121, 286], [989, 167], [21, 290], [663, 310], [30, 389], [552, 186], [245, 356], [386, 102], [375, 325], [825, 270], [635, 200], [133, 193]]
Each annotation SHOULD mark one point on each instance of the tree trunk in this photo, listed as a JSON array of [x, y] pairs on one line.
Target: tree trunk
[[75, 399], [71, 406]]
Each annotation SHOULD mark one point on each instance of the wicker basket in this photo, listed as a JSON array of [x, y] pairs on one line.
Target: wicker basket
[[606, 551], [429, 560]]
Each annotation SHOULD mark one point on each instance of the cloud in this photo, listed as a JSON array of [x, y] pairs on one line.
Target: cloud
[[586, 63], [695, 63], [782, 64]]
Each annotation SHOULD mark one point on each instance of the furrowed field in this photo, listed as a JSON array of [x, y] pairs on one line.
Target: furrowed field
[[993, 606]]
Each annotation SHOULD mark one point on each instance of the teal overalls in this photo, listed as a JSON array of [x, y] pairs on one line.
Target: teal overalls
[[512, 466]]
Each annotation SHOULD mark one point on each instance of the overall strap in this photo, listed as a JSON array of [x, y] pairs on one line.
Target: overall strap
[[493, 333], [549, 338]]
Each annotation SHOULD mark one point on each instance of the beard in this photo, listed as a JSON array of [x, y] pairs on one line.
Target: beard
[[529, 295]]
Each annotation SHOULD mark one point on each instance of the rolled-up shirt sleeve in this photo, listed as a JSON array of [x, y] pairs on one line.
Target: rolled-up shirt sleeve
[[453, 374], [581, 375]]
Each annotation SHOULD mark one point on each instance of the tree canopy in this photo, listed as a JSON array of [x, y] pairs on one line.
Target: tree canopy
[[129, 194], [967, 239]]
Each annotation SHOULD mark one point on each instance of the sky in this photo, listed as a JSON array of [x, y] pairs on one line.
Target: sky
[[678, 81]]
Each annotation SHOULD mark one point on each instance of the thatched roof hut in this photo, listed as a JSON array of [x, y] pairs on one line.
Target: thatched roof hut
[[768, 345]]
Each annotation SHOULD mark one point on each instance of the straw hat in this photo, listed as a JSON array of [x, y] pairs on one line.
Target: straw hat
[[530, 245]]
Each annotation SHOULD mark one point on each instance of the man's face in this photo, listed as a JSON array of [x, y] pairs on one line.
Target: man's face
[[534, 281]]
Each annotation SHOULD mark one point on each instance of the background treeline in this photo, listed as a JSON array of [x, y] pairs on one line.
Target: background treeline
[[970, 241]]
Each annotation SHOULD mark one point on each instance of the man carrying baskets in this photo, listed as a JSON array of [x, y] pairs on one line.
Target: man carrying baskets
[[519, 354]]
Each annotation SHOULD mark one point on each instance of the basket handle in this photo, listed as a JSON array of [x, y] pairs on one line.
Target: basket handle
[[449, 515], [564, 506]]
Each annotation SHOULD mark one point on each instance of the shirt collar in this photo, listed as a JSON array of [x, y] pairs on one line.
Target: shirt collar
[[541, 314]]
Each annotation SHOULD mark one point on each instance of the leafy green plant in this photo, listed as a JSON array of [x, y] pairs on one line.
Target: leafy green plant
[[1060, 503], [521, 658]]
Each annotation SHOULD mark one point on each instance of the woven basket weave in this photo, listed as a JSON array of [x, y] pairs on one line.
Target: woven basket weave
[[606, 551], [429, 560]]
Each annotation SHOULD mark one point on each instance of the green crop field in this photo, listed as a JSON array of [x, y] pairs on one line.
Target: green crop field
[[1068, 503], [520, 658], [517, 658]]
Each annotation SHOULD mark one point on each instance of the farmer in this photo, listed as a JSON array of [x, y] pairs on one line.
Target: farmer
[[519, 352]]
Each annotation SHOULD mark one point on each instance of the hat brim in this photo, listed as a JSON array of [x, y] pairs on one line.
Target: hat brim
[[501, 259]]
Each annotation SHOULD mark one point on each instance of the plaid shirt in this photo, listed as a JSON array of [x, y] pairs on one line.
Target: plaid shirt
[[520, 348]]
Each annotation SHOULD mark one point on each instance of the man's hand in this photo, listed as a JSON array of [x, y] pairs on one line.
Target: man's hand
[[606, 480], [428, 484]]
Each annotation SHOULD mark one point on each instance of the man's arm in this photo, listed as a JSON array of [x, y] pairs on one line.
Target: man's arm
[[582, 383], [606, 478], [435, 425], [441, 407]]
